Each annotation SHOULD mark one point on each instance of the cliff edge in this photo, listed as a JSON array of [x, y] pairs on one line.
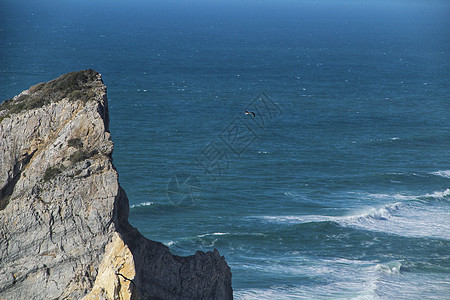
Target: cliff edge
[[64, 231]]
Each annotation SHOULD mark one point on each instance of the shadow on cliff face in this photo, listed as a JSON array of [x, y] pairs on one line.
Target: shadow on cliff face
[[162, 275], [8, 189]]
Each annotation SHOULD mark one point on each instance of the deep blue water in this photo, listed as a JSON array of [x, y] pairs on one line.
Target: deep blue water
[[343, 191]]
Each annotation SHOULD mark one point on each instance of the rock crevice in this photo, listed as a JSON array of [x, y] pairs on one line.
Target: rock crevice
[[64, 217]]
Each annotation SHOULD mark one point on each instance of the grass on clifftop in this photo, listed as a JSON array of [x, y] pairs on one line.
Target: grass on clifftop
[[71, 85]]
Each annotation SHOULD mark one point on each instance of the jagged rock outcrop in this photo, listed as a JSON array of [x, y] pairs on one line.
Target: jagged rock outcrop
[[64, 231]]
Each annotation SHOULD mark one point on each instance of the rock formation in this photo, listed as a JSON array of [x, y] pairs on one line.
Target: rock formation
[[64, 231]]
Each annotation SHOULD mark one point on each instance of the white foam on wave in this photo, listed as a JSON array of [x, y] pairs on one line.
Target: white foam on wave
[[443, 194], [410, 221], [307, 292], [358, 281], [141, 204], [445, 173], [412, 285], [336, 278], [404, 215], [392, 267], [268, 293], [389, 197], [295, 219], [214, 233], [383, 213], [170, 243], [402, 197], [408, 216], [345, 279], [275, 292]]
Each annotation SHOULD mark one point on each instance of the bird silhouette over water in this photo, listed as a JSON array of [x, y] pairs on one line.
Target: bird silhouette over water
[[250, 113]]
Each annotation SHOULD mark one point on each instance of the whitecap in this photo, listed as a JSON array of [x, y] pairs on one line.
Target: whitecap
[[344, 279], [294, 219], [392, 267], [384, 213], [403, 197], [402, 218], [409, 216], [438, 194], [214, 233], [445, 173], [141, 204], [170, 243]]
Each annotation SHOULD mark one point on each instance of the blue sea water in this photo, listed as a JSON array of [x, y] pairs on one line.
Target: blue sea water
[[342, 192]]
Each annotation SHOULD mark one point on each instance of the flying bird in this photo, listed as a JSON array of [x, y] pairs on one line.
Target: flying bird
[[250, 113]]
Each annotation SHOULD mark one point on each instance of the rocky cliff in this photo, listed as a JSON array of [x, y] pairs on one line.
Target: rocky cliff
[[64, 231]]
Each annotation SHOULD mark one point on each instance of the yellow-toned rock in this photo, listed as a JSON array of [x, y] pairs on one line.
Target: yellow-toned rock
[[116, 273]]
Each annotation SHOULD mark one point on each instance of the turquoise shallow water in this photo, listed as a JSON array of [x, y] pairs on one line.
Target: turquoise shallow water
[[342, 192]]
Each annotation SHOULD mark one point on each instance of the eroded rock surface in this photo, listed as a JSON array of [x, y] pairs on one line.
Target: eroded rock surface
[[64, 231]]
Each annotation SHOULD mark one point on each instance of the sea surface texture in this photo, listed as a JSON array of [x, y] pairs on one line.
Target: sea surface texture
[[338, 188]]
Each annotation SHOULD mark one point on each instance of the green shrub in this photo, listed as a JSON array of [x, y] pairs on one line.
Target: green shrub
[[51, 173], [76, 143], [81, 155]]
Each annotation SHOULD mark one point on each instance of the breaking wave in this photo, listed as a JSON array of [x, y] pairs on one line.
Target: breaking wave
[[411, 216], [445, 173]]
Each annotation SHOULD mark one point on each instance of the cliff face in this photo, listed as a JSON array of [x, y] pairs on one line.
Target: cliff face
[[64, 231]]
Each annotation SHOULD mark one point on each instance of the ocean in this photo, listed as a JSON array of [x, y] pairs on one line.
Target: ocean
[[338, 188]]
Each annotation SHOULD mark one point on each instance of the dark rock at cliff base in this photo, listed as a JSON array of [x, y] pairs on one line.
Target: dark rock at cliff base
[[64, 231]]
